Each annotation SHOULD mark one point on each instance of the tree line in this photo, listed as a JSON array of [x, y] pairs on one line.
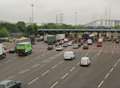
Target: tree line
[[6, 29]]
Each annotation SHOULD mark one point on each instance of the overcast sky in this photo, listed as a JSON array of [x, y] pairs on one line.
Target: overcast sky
[[45, 10]]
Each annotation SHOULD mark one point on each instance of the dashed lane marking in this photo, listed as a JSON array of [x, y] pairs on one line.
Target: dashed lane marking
[[54, 84], [46, 72], [54, 66], [24, 71], [101, 83], [33, 81], [64, 76], [73, 68], [35, 66], [107, 76]]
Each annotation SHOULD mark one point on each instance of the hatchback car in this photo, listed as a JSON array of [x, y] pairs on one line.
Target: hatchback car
[[59, 48], [50, 47], [69, 55], [75, 46], [85, 46], [85, 61]]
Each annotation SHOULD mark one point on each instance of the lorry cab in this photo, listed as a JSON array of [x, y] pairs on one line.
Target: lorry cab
[[2, 51], [24, 48]]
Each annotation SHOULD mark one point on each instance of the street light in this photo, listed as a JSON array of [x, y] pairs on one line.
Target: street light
[[32, 13]]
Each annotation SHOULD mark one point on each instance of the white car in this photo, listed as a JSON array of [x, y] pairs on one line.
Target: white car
[[89, 41], [85, 61], [65, 40], [75, 46], [70, 43], [69, 55], [59, 48]]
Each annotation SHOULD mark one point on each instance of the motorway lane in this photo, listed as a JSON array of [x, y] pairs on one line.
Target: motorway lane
[[60, 72], [111, 79], [90, 77], [24, 62], [28, 76], [22, 66]]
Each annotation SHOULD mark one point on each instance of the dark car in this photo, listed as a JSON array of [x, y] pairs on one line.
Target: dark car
[[50, 47], [99, 44], [117, 41], [10, 84], [85, 46]]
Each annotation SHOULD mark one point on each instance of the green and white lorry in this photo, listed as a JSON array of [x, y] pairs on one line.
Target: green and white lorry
[[23, 48]]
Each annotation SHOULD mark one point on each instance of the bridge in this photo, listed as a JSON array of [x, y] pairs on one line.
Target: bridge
[[79, 30], [103, 23]]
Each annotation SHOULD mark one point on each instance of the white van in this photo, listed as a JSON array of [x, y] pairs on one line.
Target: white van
[[69, 55], [85, 61], [2, 51]]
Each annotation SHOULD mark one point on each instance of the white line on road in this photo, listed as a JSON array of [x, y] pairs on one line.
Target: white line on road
[[73, 68], [54, 66], [111, 70], [54, 84], [35, 66], [107, 76], [64, 76], [101, 83], [24, 71], [46, 72], [11, 77], [34, 80]]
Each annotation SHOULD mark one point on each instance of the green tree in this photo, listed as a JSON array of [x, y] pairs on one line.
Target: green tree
[[4, 32], [21, 26]]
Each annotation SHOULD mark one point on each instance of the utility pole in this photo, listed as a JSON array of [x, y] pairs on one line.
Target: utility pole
[[76, 18], [32, 13], [61, 18], [56, 18]]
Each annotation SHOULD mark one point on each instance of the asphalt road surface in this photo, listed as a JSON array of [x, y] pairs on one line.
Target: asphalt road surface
[[48, 69]]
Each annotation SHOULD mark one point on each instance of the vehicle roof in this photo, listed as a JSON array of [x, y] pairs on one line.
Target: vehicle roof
[[5, 82], [24, 43], [85, 58], [68, 52]]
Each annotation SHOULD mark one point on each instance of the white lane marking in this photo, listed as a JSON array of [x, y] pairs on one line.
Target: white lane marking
[[54, 66], [7, 61], [73, 68], [54, 84], [35, 66], [78, 64], [99, 52], [11, 77], [64, 76], [46, 72], [107, 76], [34, 80], [101, 83], [115, 65], [111, 70], [24, 71]]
